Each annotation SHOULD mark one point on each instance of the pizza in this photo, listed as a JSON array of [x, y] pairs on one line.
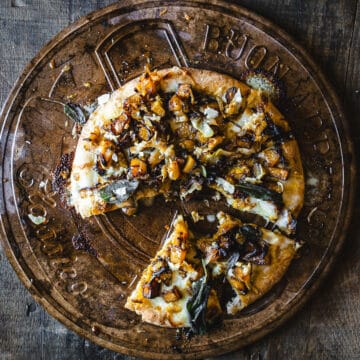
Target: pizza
[[183, 133]]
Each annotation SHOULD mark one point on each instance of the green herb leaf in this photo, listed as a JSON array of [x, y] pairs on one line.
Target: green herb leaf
[[197, 305], [76, 113], [118, 191], [260, 192]]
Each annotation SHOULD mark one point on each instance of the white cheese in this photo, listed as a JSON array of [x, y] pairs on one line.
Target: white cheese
[[203, 127], [219, 269], [283, 220], [276, 239], [120, 191], [211, 113], [237, 97], [152, 117], [264, 208], [110, 136], [234, 305], [247, 120], [103, 99], [228, 187]]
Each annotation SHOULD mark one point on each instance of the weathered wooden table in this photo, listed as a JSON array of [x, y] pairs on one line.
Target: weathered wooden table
[[328, 326]]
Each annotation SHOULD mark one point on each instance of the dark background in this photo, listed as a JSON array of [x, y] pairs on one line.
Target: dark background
[[329, 325]]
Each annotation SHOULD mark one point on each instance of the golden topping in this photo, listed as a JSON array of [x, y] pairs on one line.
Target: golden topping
[[144, 133], [157, 107], [176, 104], [215, 141], [172, 295], [188, 145], [148, 86], [119, 124], [278, 173], [241, 278], [173, 170], [138, 168], [184, 91], [189, 165], [177, 255], [106, 149]]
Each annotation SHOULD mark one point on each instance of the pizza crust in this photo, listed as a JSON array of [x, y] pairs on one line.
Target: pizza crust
[[294, 186]]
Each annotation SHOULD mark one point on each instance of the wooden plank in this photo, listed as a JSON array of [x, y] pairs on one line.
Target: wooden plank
[[352, 94], [24, 30], [26, 330], [335, 313], [79, 8]]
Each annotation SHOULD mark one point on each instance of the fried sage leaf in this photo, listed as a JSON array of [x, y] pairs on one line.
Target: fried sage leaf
[[76, 113], [197, 305], [118, 191], [260, 192]]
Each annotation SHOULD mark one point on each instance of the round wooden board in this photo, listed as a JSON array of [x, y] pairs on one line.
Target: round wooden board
[[108, 47]]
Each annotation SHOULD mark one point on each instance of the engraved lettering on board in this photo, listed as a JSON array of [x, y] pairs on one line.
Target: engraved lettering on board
[[239, 47], [40, 198]]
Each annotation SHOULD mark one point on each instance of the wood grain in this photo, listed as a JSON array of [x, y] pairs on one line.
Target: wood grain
[[328, 326]]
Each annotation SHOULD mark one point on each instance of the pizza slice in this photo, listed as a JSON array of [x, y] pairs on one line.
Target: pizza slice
[[173, 290], [251, 258]]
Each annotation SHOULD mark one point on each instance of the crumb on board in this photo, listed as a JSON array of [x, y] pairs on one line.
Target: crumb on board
[[71, 96], [187, 17], [163, 12], [52, 64], [66, 68]]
